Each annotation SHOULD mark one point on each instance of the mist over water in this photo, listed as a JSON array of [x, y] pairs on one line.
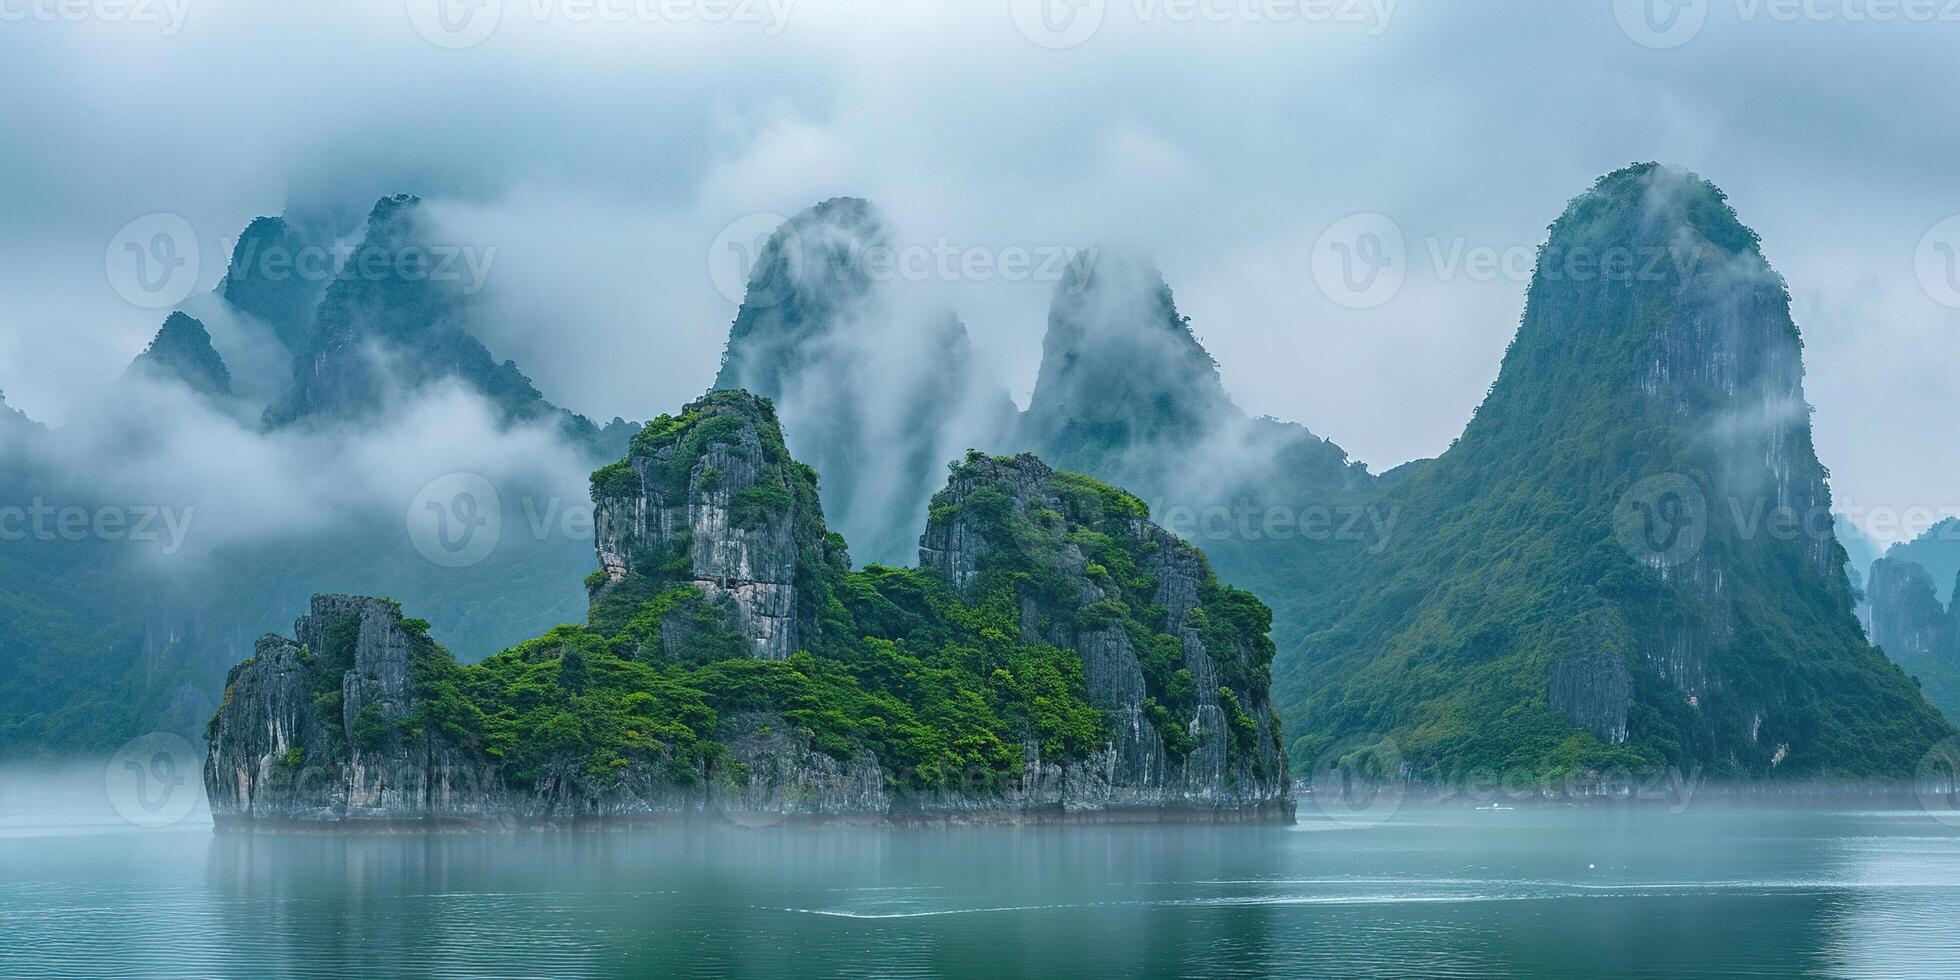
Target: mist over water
[[1437, 891]]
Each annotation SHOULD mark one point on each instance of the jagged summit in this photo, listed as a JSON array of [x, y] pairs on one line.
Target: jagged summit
[[396, 320], [1938, 551], [1126, 392], [1119, 366], [875, 391], [278, 272], [182, 352], [1628, 558], [811, 273], [13, 419], [1917, 629], [1056, 657]]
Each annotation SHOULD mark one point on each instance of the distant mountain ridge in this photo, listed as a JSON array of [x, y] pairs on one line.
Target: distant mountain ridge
[[881, 396], [1938, 551], [1919, 631], [1486, 609], [182, 352]]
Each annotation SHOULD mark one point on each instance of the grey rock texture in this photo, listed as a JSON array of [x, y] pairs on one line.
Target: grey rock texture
[[332, 727], [686, 504], [1135, 770]]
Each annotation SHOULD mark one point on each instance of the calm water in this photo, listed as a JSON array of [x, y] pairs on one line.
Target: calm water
[[1440, 892]]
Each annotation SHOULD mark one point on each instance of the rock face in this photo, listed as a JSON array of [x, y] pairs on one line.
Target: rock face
[[1937, 550], [394, 320], [278, 272], [1128, 395], [319, 728], [1628, 558], [874, 391], [1916, 630], [735, 667], [182, 352], [718, 514], [1223, 749], [290, 749]]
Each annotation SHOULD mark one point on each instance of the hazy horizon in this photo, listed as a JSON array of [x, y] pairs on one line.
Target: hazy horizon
[[1224, 149]]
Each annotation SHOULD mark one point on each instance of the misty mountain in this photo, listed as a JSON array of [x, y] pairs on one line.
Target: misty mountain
[[108, 639], [1626, 560], [389, 324], [1916, 629], [1938, 552], [1054, 656], [877, 394], [278, 272], [182, 352], [1126, 392], [395, 321], [13, 420]]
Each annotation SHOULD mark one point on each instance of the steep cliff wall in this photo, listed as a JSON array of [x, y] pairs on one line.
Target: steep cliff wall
[[1920, 634], [1058, 658], [1628, 559], [1087, 572]]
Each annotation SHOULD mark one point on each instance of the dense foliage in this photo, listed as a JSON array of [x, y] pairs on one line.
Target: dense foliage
[[1505, 560]]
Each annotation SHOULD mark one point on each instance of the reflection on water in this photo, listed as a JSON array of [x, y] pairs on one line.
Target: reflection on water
[[1536, 891]]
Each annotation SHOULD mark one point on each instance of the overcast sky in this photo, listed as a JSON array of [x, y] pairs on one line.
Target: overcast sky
[[600, 163]]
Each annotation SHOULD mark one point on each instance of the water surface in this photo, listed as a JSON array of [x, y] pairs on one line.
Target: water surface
[[1550, 891]]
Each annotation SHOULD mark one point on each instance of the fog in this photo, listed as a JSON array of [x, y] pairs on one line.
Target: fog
[[602, 161]]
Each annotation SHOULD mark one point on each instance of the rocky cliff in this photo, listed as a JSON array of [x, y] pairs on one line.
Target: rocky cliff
[[1126, 393], [877, 388], [1190, 718], [394, 319], [1919, 632], [1628, 559], [278, 272], [1057, 657]]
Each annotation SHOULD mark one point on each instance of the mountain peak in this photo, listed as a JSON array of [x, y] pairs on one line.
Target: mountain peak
[[1119, 364], [1610, 543], [807, 276], [1648, 206], [278, 271], [13, 419], [874, 391], [388, 327], [182, 352]]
